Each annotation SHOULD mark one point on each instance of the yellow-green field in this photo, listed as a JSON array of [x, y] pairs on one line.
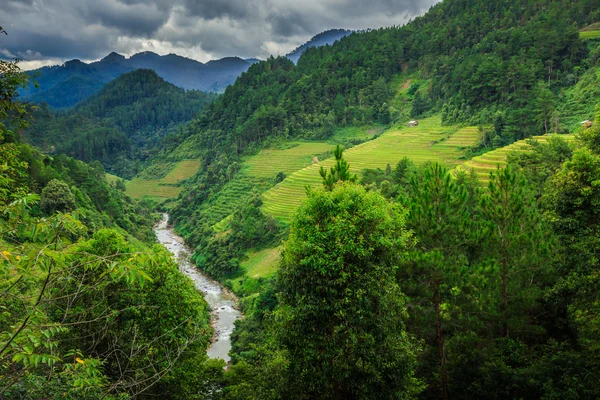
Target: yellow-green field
[[161, 189], [585, 35], [183, 170], [488, 162], [590, 32], [262, 263], [427, 142], [267, 163]]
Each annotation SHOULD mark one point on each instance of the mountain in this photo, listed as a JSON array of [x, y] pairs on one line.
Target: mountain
[[66, 85], [322, 39], [122, 124]]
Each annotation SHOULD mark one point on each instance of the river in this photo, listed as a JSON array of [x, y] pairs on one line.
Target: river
[[221, 301]]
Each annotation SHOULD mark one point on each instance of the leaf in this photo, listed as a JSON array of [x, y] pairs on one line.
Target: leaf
[[79, 360]]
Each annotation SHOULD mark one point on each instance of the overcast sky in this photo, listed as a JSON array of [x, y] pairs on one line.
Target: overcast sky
[[43, 32]]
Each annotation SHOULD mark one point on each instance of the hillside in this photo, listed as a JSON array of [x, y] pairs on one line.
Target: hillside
[[408, 213], [470, 63], [122, 125], [322, 39], [66, 85]]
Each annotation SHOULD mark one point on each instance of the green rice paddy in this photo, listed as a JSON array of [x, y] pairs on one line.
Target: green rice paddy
[[164, 188], [429, 141], [586, 35], [488, 162]]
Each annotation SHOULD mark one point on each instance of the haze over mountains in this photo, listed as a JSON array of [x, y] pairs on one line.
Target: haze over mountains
[[63, 86]]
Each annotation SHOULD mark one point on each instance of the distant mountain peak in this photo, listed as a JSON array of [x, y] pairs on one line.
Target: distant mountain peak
[[112, 57], [324, 38]]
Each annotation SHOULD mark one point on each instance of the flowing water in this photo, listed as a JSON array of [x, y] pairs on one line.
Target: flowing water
[[221, 301]]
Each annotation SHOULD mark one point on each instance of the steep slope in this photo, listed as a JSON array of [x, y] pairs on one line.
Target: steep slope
[[504, 64], [322, 39], [66, 85], [122, 124]]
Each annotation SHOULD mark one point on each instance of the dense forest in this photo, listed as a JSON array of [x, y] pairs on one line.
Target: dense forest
[[410, 282], [121, 126]]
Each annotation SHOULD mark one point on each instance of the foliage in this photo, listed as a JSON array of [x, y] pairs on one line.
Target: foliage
[[340, 172], [341, 311], [57, 196], [122, 125]]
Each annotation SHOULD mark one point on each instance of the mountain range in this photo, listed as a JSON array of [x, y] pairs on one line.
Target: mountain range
[[68, 84], [63, 86]]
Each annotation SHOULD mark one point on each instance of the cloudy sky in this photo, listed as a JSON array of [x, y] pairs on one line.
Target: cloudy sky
[[43, 32]]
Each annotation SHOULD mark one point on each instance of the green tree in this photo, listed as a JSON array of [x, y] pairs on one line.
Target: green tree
[[57, 197], [342, 315], [518, 243], [441, 222], [339, 172]]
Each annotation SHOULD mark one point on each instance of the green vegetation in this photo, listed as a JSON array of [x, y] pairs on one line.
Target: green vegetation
[[122, 125], [342, 314], [427, 142], [490, 161], [268, 162], [586, 35], [402, 267], [167, 187], [81, 280]]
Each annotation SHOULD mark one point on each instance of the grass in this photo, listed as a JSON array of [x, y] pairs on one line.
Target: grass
[[427, 142], [164, 188], [490, 161], [259, 264], [138, 188], [355, 133]]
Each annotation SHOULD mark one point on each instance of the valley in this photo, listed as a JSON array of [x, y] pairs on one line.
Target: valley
[[407, 210]]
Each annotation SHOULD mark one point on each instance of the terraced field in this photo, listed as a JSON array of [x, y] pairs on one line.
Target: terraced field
[[488, 162], [590, 32], [267, 163], [162, 189], [427, 142], [586, 35], [183, 170], [223, 204]]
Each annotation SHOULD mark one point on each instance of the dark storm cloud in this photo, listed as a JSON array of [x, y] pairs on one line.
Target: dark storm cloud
[[55, 30], [212, 9], [128, 17]]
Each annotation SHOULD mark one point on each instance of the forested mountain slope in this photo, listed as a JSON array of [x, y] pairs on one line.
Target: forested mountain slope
[[322, 39], [81, 277], [66, 85], [120, 126], [507, 67]]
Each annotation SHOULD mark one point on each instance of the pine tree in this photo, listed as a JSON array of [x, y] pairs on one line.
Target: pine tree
[[440, 219], [339, 172], [517, 240]]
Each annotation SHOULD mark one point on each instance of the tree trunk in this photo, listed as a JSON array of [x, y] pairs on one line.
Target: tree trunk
[[440, 340]]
